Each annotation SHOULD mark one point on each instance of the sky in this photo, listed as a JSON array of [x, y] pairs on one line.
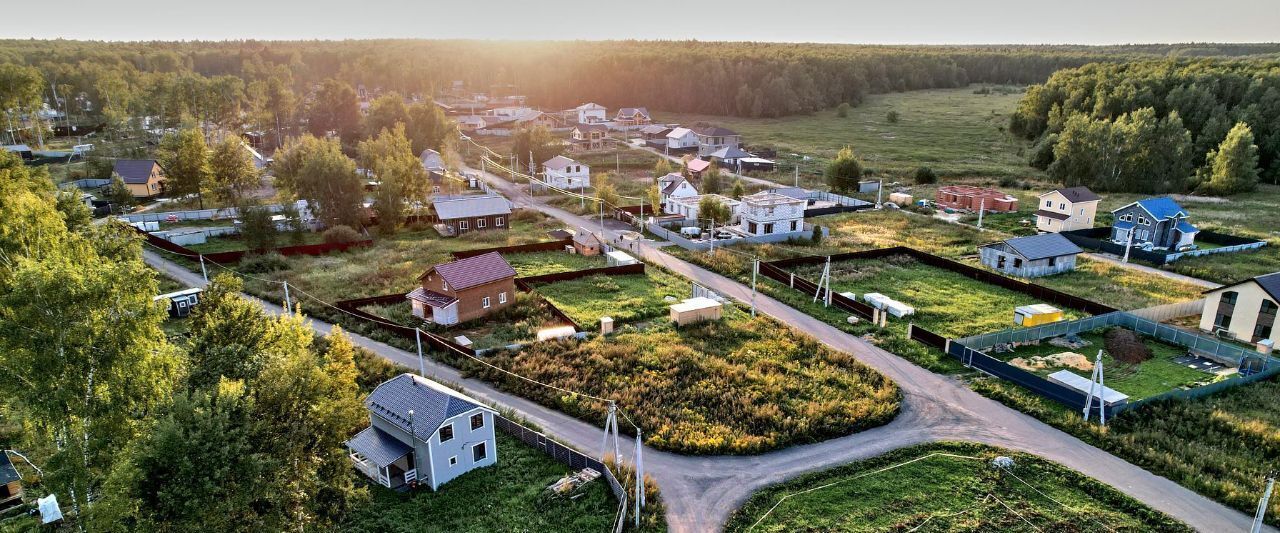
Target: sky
[[866, 22]]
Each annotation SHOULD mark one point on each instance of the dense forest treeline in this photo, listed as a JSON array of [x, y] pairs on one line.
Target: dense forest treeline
[[1157, 126], [743, 79]]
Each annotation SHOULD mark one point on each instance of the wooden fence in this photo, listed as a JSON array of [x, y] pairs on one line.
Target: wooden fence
[[1161, 313], [546, 246]]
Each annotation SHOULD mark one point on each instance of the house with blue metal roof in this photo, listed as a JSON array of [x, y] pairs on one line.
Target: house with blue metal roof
[[1154, 223], [422, 433]]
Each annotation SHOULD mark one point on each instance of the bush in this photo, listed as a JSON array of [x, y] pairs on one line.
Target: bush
[[892, 117], [842, 110], [257, 229], [1009, 181], [817, 234], [340, 234], [925, 176], [1126, 346], [526, 215], [263, 263]]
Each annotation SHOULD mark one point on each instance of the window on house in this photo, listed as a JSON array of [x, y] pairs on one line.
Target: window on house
[[1226, 308], [751, 228], [1266, 320], [498, 221], [446, 433], [768, 228], [1000, 263], [1053, 261], [464, 225], [477, 421], [1017, 262], [484, 302], [443, 286], [1142, 220], [1048, 203], [480, 223], [453, 460], [479, 452], [502, 297], [795, 225], [1062, 207], [1081, 210]]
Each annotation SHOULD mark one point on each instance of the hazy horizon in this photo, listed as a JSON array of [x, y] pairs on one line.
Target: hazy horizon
[[908, 22]]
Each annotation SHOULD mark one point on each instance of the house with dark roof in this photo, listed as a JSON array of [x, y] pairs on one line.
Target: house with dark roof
[[565, 173], [712, 139], [1246, 310], [590, 138], [1154, 223], [422, 433], [674, 186], [1029, 257], [585, 242], [632, 116], [1067, 209], [23, 151], [464, 290], [10, 484], [143, 177], [456, 215]]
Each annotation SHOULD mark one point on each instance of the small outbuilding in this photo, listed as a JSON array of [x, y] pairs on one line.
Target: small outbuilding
[[1035, 315], [620, 258], [694, 310], [586, 243], [181, 302], [1029, 257]]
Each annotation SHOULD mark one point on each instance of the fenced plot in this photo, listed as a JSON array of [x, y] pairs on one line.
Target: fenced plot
[[624, 298]]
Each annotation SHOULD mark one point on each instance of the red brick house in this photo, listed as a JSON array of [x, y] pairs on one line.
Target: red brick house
[[975, 198], [464, 290]]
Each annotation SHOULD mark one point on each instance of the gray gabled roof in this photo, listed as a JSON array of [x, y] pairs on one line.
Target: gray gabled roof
[[453, 207], [1042, 246], [134, 171], [1076, 194], [730, 152], [1269, 283], [559, 163], [431, 403]]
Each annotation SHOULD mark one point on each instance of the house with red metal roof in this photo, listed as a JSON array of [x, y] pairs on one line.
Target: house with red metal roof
[[464, 290]]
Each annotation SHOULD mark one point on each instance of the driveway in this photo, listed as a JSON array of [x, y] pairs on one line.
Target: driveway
[[701, 491]]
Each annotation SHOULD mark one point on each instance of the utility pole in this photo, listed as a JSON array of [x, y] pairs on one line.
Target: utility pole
[[797, 173], [755, 269], [1096, 384], [879, 189], [288, 304], [639, 464], [203, 271], [1262, 504], [611, 426], [422, 364]]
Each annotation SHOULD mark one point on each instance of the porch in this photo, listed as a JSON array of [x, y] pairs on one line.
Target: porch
[[383, 458]]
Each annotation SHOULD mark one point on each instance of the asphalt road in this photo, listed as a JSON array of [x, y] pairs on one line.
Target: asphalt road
[[701, 491]]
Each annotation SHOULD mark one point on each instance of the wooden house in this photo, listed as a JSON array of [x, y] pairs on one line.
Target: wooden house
[[143, 177], [632, 116], [456, 215], [464, 290]]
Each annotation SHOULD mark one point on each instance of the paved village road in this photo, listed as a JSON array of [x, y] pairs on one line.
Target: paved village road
[[701, 491]]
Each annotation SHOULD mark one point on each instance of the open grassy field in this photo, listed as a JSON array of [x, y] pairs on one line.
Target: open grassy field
[[950, 487], [737, 385], [503, 497], [952, 131], [947, 303], [1154, 376], [627, 299], [233, 243]]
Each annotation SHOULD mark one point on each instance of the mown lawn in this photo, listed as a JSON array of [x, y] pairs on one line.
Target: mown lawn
[[626, 299], [1154, 376], [948, 493], [953, 131], [946, 302], [539, 263], [508, 496]]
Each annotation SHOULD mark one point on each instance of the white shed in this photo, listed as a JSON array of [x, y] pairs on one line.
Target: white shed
[[620, 258]]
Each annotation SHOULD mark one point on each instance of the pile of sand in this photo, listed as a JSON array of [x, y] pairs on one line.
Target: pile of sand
[[1057, 360]]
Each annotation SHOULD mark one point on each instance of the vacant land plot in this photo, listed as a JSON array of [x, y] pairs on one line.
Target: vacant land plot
[[945, 302], [950, 487], [626, 299], [491, 499], [1140, 380], [953, 131], [234, 243], [738, 385], [539, 263]]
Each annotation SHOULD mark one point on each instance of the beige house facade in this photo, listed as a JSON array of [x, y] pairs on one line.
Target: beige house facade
[[1246, 310], [1067, 210]]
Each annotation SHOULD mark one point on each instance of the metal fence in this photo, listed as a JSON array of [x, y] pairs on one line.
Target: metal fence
[[1062, 394], [546, 246], [1200, 392], [568, 457], [86, 183], [1100, 239], [1197, 344]]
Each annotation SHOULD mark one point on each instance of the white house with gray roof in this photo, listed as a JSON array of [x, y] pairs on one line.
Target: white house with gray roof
[[422, 433], [1038, 255], [566, 173]]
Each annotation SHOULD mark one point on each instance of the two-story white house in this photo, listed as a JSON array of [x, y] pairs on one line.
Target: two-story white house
[[590, 113], [674, 185], [769, 213], [1067, 209], [688, 207], [681, 139], [422, 433], [566, 173]]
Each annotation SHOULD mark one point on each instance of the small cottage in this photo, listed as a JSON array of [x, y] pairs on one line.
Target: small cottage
[[1246, 310], [565, 173], [682, 139], [1028, 257], [1067, 209], [688, 207], [464, 290], [182, 302], [143, 177], [673, 186], [632, 116], [697, 167], [422, 433], [432, 161], [456, 215], [1158, 223], [591, 112], [591, 138], [586, 243], [712, 139]]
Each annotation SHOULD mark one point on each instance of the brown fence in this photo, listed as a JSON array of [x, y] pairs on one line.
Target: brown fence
[[432, 340], [526, 284], [776, 273], [1039, 292], [926, 337], [236, 256], [548, 246]]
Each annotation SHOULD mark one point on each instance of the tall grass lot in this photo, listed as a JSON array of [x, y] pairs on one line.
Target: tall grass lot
[[947, 493], [626, 299]]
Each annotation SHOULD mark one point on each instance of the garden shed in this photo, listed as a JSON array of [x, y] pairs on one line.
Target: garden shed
[[694, 310], [1029, 257]]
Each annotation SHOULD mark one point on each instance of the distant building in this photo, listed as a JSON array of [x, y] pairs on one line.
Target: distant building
[[422, 433], [1246, 310], [590, 113], [1067, 209], [712, 139], [456, 215], [23, 151], [566, 173], [632, 116], [586, 243], [591, 138], [432, 161], [697, 166], [974, 198], [688, 207], [768, 213], [674, 185], [681, 139], [464, 290], [1028, 257], [1158, 223], [143, 177]]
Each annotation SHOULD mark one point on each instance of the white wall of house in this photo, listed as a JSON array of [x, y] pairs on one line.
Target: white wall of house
[[1081, 214], [570, 177], [457, 456], [1244, 316], [676, 140], [592, 114], [684, 190], [771, 219]]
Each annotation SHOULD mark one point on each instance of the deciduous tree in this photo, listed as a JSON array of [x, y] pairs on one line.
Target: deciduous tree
[[185, 160], [844, 171], [232, 174], [1233, 167]]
